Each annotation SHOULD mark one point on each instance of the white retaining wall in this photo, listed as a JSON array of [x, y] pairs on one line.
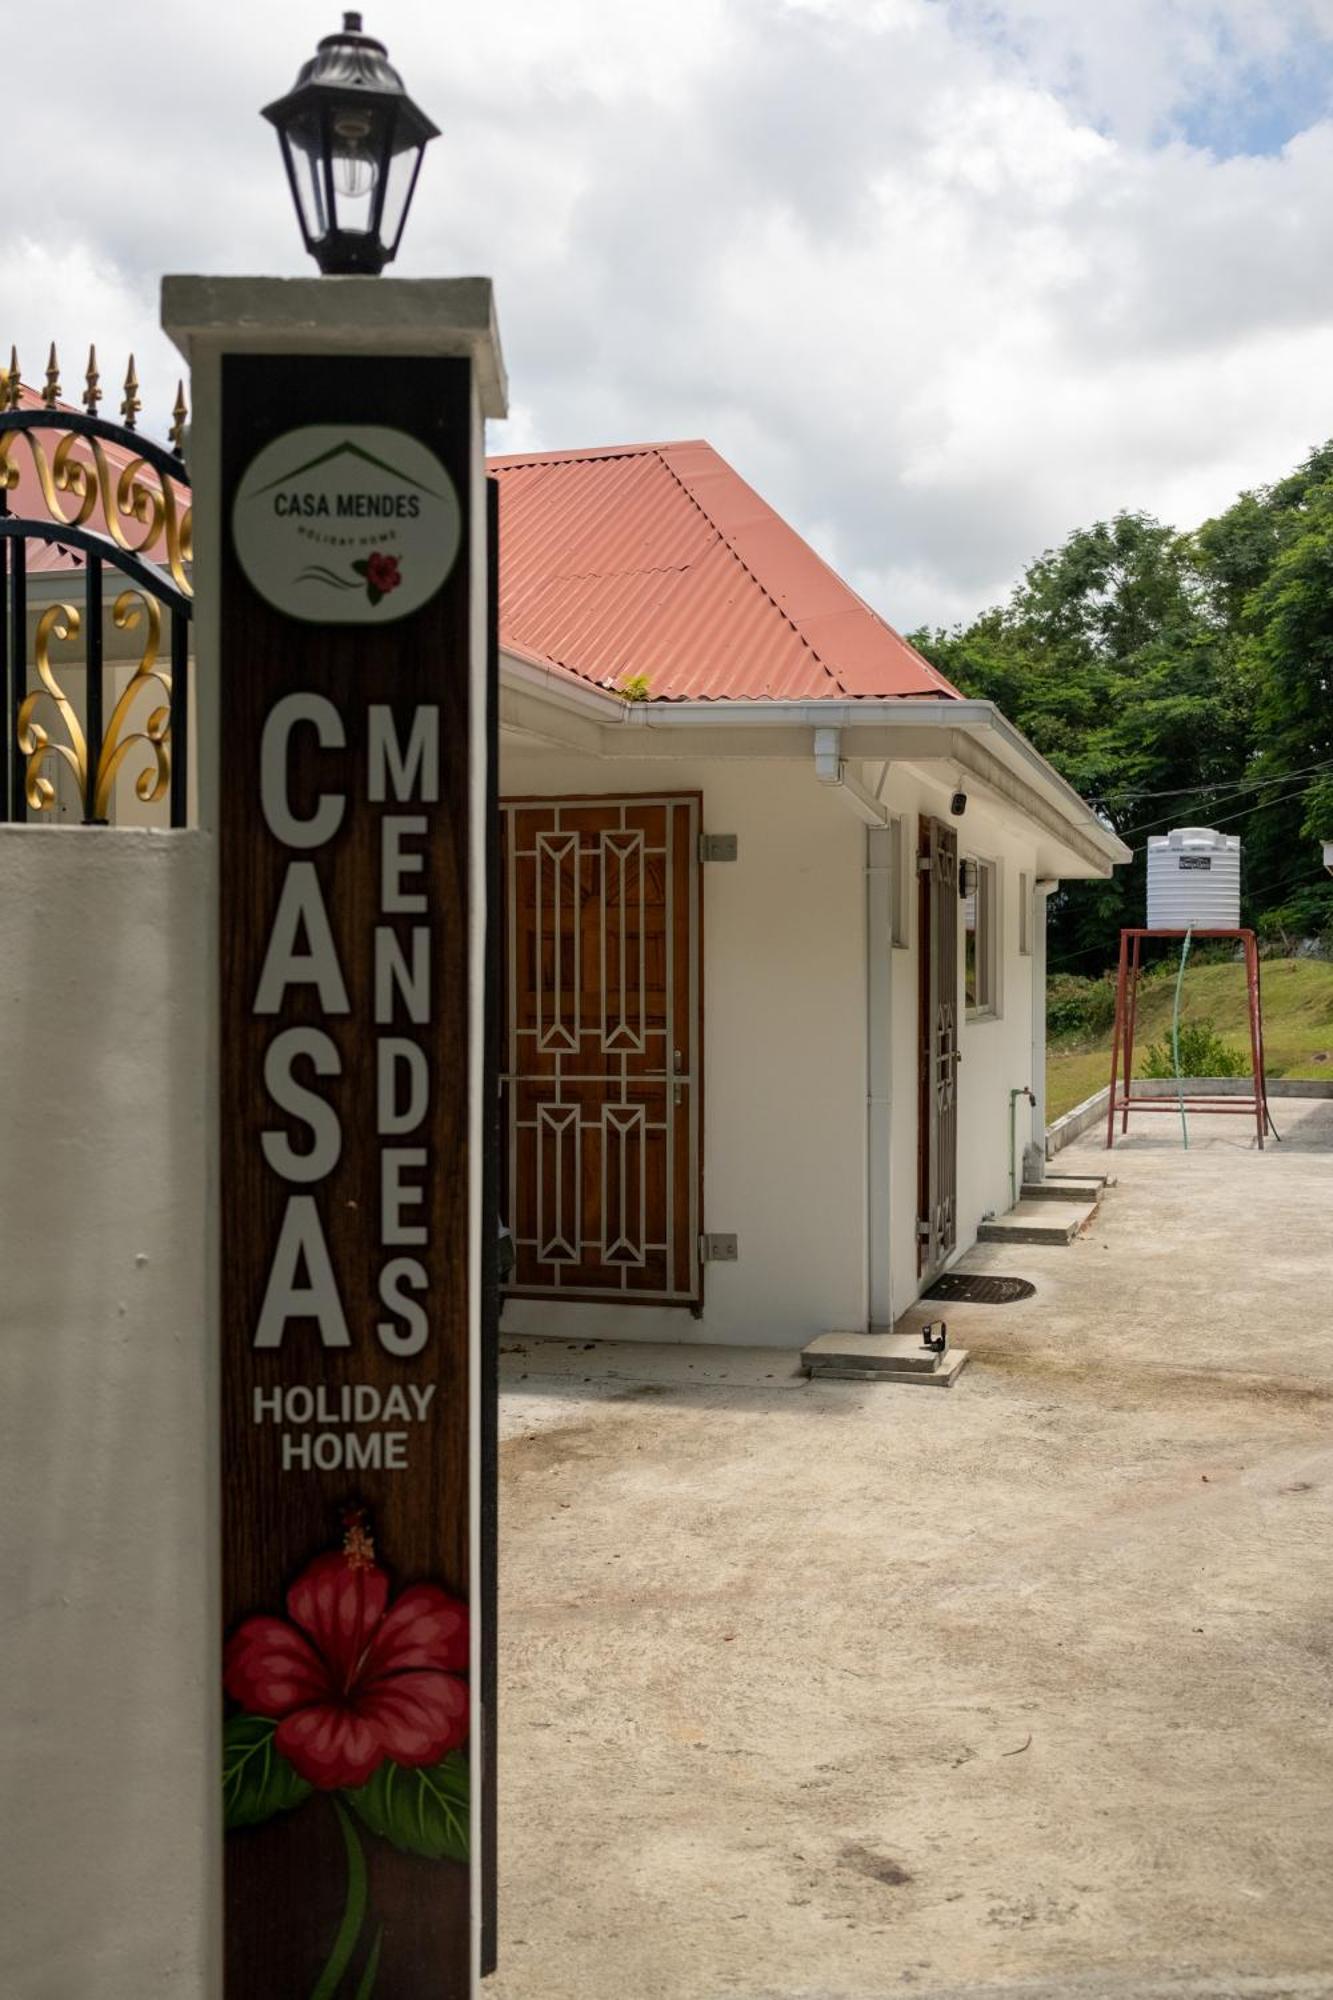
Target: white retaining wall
[[110, 1834]]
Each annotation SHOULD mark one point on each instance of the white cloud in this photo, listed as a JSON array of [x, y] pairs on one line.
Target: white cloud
[[914, 266], [1133, 65]]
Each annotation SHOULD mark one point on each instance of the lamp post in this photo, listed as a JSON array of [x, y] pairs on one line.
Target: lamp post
[[352, 142]]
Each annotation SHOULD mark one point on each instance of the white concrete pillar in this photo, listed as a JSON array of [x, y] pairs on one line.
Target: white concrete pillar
[[214, 319], [110, 1838]]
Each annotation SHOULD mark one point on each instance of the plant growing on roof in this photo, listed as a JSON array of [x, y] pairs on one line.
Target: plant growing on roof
[[635, 687]]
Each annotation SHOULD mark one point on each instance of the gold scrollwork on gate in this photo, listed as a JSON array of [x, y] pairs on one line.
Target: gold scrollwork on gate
[[62, 622], [152, 782], [142, 507], [58, 621]]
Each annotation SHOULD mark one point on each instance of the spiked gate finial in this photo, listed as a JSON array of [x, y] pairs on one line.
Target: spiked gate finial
[[180, 415], [92, 390], [131, 406], [51, 393]]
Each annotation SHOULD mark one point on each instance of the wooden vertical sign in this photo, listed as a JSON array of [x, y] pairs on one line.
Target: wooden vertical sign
[[351, 1213]]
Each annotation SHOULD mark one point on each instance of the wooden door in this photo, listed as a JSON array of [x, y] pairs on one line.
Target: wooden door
[[937, 1130], [602, 1123]]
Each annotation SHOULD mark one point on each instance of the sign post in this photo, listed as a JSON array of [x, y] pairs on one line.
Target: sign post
[[339, 442]]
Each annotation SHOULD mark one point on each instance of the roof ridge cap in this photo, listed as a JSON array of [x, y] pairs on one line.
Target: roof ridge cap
[[510, 461], [735, 554], [837, 575]]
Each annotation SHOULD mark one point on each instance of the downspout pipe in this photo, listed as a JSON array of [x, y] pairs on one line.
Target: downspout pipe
[[1034, 1154], [831, 770], [1024, 1090]]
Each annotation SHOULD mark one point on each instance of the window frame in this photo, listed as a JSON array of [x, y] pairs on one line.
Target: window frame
[[987, 930]]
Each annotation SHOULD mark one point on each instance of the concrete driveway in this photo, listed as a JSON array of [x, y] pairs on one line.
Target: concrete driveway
[[838, 1690]]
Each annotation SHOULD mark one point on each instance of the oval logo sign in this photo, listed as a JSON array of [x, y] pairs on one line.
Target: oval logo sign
[[346, 524]]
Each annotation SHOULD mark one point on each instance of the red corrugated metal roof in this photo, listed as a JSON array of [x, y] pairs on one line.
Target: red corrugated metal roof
[[655, 560], [658, 560], [26, 497]]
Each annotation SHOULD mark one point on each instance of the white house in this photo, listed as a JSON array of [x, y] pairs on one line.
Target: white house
[[762, 1060], [763, 1063]]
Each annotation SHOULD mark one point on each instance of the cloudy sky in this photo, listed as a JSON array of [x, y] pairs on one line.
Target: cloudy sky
[[944, 279]]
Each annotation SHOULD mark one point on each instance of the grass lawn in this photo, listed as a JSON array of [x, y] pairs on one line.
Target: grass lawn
[[1298, 1024]]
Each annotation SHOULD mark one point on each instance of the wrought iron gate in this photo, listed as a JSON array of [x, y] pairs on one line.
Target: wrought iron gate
[[937, 1169], [81, 496], [601, 1124]]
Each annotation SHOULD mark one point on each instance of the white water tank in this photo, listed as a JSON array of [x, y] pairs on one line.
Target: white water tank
[[1194, 880]]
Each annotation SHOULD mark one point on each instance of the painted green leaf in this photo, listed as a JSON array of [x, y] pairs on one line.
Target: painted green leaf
[[423, 1812], [256, 1781], [362, 566], [373, 593]]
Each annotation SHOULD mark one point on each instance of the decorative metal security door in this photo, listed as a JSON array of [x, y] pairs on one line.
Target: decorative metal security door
[[937, 1155], [601, 1114]]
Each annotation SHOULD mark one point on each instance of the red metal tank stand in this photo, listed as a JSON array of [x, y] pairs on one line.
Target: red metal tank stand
[[1122, 1100]]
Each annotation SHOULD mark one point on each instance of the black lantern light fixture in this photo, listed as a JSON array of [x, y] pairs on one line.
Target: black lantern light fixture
[[352, 142]]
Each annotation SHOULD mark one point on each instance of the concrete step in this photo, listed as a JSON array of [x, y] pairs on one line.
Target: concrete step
[[1063, 1190], [882, 1357], [1092, 1180], [1038, 1222]]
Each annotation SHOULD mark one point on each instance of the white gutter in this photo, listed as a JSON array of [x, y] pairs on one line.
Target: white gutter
[[974, 735], [604, 703], [907, 714]]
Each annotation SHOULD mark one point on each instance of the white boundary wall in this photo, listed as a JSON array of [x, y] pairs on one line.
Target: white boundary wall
[[110, 1841]]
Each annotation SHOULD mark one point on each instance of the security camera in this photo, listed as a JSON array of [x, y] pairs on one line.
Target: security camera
[[958, 805]]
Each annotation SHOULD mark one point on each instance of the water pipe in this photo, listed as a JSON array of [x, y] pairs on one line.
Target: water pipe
[[1175, 1038], [1024, 1090]]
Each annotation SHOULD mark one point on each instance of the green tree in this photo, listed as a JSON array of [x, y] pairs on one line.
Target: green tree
[[1107, 658], [1179, 680], [1268, 565]]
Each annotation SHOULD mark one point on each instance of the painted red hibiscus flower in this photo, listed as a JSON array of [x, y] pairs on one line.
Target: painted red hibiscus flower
[[350, 1681], [382, 572]]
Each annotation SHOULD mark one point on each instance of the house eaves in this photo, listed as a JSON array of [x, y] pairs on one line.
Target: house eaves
[[972, 738]]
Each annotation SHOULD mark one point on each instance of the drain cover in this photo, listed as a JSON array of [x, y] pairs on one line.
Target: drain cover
[[978, 1290]]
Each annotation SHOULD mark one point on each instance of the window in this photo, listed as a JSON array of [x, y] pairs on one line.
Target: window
[[980, 897]]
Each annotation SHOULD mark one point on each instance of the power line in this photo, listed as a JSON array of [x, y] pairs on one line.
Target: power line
[[1260, 805], [1236, 785], [1235, 790], [1280, 778]]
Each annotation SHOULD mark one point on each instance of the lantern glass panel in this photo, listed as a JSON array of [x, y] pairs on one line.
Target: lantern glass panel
[[358, 131], [305, 155], [402, 172]]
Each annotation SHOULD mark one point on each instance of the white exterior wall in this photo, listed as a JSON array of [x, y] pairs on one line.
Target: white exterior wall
[[786, 1047], [996, 1051], [784, 1051], [110, 1839]]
